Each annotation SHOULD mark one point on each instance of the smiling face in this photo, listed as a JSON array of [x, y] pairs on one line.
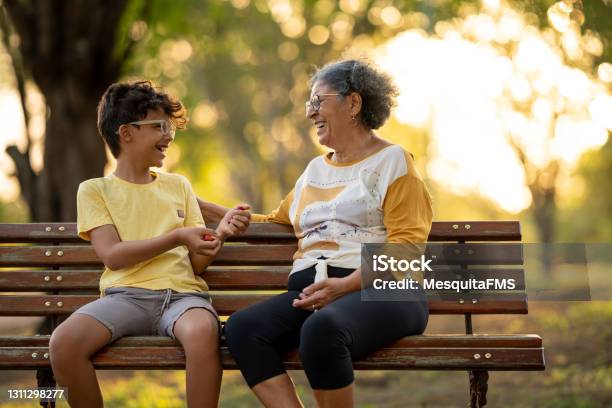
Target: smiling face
[[146, 144], [333, 119]]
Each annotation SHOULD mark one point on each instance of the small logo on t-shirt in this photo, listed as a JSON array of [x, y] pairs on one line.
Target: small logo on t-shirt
[[180, 213]]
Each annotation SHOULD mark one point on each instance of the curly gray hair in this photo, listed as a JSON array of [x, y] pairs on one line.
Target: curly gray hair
[[377, 89]]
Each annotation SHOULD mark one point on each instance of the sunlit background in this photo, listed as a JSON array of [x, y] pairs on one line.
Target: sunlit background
[[506, 105], [491, 83], [496, 104]]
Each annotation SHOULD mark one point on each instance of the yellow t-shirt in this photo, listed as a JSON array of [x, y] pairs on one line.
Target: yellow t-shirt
[[143, 211]]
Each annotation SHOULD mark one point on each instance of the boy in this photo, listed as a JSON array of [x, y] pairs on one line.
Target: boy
[[148, 230]]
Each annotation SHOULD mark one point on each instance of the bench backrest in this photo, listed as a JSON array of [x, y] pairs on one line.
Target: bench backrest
[[49, 257]]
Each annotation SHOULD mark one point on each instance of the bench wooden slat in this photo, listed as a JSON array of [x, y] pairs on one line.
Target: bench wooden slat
[[79, 280], [509, 359], [225, 304], [425, 340], [46, 280], [440, 231], [406, 358], [216, 278], [251, 255], [85, 255], [48, 305]]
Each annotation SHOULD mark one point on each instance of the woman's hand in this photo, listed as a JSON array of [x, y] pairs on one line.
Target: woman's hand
[[322, 293], [235, 221]]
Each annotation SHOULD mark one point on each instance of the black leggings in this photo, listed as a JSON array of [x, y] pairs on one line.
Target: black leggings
[[329, 340]]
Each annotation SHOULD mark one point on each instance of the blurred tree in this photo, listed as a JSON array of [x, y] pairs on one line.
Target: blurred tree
[[553, 94], [593, 15], [589, 219], [581, 42], [247, 68], [243, 68], [72, 50]]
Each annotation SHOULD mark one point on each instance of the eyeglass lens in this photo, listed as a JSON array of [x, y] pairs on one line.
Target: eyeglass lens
[[314, 103]]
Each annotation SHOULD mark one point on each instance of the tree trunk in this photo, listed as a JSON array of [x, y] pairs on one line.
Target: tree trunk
[[545, 213], [73, 152], [68, 48]]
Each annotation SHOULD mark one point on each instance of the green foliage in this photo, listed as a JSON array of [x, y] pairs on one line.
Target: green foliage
[[589, 219], [244, 80], [597, 17], [249, 70], [16, 211], [144, 390]]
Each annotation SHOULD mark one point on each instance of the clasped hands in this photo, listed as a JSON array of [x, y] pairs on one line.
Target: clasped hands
[[208, 241]]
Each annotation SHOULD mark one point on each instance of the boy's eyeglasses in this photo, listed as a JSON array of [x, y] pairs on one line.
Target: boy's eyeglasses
[[315, 102], [164, 126]]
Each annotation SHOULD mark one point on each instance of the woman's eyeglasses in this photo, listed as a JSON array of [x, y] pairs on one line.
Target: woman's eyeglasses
[[315, 102]]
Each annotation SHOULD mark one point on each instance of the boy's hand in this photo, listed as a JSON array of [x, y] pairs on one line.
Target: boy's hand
[[235, 221], [200, 240]]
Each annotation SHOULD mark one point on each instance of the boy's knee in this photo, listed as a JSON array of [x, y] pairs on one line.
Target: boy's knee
[[63, 346], [198, 330]]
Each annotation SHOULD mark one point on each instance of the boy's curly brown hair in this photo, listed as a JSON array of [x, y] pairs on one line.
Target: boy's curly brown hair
[[128, 102]]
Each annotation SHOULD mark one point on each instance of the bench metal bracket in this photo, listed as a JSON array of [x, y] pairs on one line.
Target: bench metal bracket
[[478, 378], [478, 388], [45, 379]]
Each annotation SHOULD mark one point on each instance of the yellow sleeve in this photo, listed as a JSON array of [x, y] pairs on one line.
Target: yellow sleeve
[[193, 215], [91, 210], [280, 215], [407, 210]]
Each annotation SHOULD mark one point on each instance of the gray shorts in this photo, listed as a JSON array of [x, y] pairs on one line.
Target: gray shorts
[[128, 311]]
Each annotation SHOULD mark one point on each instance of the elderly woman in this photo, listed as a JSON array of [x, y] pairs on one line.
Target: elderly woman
[[365, 190]]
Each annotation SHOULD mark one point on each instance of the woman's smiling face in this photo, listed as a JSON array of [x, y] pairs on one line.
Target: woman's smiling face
[[333, 118]]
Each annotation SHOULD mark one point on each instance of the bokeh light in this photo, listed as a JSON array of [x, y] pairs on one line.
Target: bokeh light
[[491, 83]]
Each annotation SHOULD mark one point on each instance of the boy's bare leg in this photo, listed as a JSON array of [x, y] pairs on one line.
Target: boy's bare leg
[[198, 332], [70, 349], [340, 398], [278, 392]]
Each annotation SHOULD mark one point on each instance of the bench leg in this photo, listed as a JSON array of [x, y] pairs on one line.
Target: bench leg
[[45, 379], [478, 388]]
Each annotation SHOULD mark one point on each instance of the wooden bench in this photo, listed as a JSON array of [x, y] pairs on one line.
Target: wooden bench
[[41, 264]]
